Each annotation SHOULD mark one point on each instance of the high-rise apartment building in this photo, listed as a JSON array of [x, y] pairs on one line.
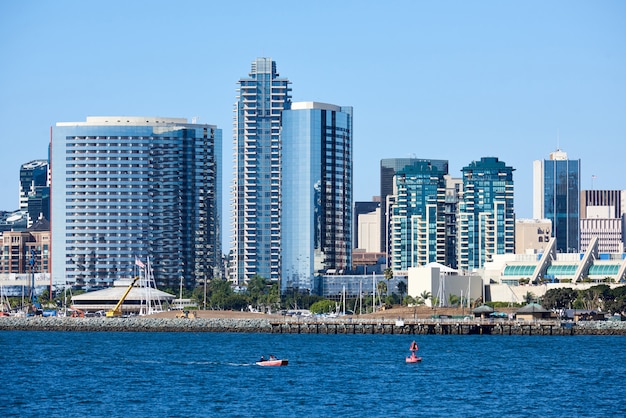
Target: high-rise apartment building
[[388, 169], [256, 190], [316, 193], [486, 218], [128, 188], [417, 215], [556, 194]]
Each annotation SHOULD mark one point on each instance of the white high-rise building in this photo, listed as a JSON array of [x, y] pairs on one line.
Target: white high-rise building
[[128, 189]]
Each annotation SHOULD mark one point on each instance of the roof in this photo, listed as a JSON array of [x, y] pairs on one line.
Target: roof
[[483, 309], [40, 225], [115, 294], [441, 267], [532, 308]]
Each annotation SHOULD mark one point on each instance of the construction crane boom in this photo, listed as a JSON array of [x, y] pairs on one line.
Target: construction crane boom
[[117, 311]]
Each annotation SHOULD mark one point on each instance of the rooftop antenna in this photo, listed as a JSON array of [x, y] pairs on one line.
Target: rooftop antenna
[[558, 140], [593, 177]]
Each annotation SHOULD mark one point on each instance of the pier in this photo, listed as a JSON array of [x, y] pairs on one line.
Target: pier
[[421, 327]]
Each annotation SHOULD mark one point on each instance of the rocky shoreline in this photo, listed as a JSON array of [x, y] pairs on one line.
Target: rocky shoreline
[[135, 324], [273, 325]]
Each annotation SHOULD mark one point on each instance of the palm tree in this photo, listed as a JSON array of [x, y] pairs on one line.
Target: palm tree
[[402, 289], [425, 295], [381, 287]]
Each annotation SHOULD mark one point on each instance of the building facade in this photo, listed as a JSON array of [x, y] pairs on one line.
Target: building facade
[[128, 188], [388, 169], [603, 215], [35, 190], [366, 226], [556, 194], [486, 217], [417, 216], [26, 251], [256, 190], [532, 235], [316, 193]]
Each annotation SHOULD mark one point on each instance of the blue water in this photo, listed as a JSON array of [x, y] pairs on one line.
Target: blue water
[[54, 374]]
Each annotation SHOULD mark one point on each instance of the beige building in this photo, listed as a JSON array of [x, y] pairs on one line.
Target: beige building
[[18, 247], [532, 235]]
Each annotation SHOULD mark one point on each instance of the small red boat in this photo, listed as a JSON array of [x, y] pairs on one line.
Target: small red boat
[[272, 362], [413, 358]]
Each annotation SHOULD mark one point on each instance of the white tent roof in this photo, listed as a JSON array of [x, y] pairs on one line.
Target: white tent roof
[[442, 268]]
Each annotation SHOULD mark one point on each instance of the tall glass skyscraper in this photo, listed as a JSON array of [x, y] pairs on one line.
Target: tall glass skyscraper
[[35, 190], [486, 219], [135, 187], [316, 193], [418, 215], [256, 190], [556, 196], [388, 169]]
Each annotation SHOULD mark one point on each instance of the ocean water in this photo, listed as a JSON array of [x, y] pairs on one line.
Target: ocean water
[[107, 374]]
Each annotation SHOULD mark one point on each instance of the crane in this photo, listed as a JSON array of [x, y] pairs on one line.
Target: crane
[[117, 311]]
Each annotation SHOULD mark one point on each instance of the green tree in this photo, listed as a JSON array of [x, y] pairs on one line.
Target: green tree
[[425, 295], [257, 291], [323, 306], [381, 288], [562, 298], [218, 293], [401, 288]]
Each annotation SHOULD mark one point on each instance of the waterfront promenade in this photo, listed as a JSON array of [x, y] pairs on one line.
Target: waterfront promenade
[[259, 323]]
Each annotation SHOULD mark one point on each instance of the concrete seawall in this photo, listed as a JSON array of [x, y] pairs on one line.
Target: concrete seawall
[[311, 326]]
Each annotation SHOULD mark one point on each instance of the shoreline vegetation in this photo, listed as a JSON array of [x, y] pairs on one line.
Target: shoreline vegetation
[[391, 321]]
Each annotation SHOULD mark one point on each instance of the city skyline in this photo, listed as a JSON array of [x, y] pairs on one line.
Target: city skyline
[[449, 81]]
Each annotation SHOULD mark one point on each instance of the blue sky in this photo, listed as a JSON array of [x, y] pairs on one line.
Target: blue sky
[[455, 80]]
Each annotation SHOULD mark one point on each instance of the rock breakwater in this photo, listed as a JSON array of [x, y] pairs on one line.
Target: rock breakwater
[[271, 325], [135, 324]]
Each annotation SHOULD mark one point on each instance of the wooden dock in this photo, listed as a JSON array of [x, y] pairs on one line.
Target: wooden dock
[[421, 327]]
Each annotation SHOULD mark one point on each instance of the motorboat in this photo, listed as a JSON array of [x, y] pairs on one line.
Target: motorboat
[[272, 362]]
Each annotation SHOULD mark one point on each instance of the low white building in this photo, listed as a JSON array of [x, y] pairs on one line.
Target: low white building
[[138, 299], [442, 282]]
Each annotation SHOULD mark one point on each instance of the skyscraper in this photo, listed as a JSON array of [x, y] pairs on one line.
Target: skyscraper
[[35, 190], [556, 196], [486, 218], [388, 169], [128, 188], [316, 193], [256, 189], [417, 215]]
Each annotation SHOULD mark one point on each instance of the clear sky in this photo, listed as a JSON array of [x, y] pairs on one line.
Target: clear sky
[[455, 80]]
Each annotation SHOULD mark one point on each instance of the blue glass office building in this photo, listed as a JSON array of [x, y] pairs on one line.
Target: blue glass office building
[[418, 215], [556, 189], [35, 190], [256, 190], [486, 217], [127, 187], [316, 193]]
